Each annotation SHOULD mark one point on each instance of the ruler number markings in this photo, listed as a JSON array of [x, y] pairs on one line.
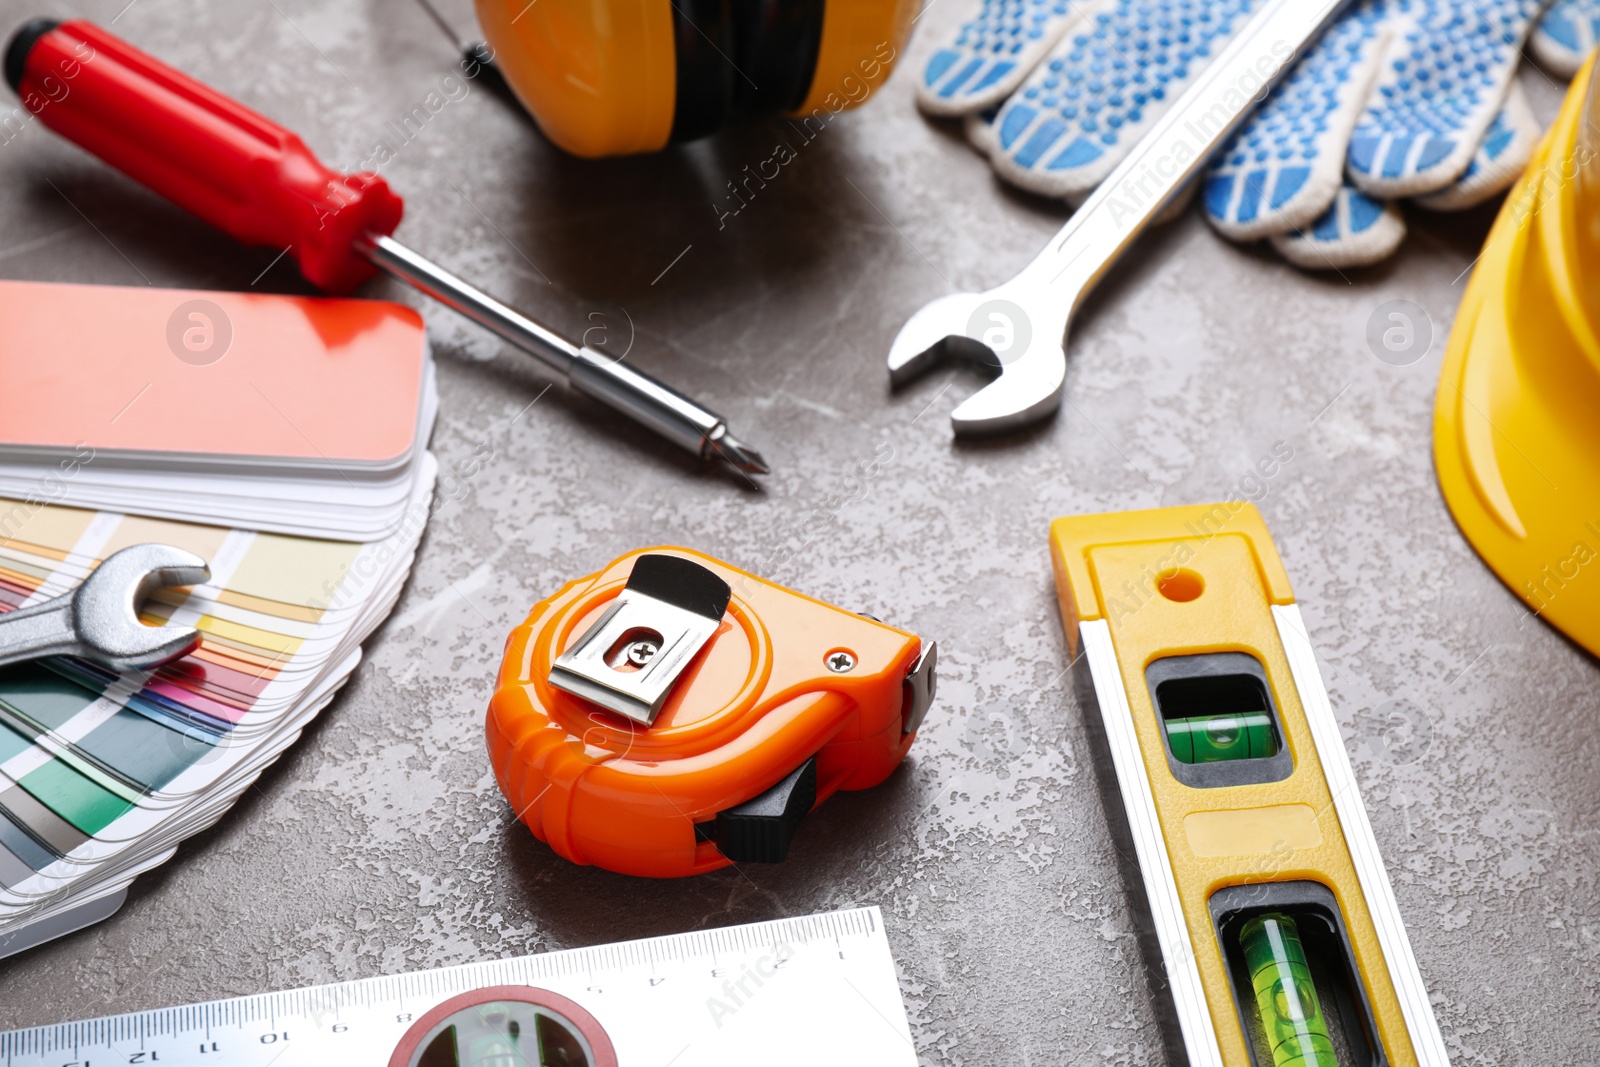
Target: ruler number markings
[[256, 1030]]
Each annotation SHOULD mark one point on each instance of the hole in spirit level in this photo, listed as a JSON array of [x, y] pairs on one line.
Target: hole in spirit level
[[1218, 720], [1180, 584], [1296, 986]]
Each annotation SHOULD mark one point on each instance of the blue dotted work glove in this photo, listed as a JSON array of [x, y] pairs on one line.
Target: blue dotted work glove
[[1078, 82], [1566, 35], [1400, 98]]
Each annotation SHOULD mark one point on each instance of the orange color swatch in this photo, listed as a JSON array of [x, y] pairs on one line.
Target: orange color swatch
[[218, 377]]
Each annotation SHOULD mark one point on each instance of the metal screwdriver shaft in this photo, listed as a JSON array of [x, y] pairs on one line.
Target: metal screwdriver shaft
[[638, 396]]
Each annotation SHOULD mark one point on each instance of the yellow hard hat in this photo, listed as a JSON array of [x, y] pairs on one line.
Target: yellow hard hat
[[1516, 428]]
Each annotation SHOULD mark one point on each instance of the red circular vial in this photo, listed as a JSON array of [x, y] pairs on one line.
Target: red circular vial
[[506, 1024]]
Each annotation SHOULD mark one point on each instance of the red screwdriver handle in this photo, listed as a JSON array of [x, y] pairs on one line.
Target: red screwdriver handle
[[241, 172]]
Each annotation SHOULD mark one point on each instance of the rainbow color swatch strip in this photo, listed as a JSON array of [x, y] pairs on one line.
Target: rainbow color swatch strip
[[101, 774]]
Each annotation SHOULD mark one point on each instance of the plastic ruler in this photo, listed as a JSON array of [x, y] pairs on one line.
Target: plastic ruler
[[808, 990]]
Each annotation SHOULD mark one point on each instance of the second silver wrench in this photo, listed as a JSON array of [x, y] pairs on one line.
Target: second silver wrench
[[1026, 318], [99, 620]]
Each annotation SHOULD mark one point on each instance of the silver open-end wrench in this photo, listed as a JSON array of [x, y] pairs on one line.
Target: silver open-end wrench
[[99, 620], [1017, 331]]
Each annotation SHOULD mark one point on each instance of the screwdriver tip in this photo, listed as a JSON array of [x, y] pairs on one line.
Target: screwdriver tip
[[737, 454]]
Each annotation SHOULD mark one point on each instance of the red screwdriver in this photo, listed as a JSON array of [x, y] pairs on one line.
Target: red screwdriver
[[259, 183]]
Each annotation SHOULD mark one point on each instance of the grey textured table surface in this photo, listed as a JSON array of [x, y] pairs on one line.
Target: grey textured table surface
[[379, 843]]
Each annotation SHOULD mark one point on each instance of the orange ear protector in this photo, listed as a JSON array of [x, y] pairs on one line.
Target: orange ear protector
[[672, 714], [615, 77]]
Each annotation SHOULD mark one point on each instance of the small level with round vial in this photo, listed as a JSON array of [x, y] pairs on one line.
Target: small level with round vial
[[1271, 932]]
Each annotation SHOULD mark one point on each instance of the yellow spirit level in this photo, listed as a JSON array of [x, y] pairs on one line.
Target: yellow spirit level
[[1269, 926]]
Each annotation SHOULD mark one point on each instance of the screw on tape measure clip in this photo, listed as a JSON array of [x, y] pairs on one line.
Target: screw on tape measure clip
[[1274, 938], [673, 714]]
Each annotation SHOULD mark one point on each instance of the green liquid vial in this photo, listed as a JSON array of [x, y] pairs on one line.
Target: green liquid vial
[[502, 1034], [1216, 738], [1287, 997], [494, 1051]]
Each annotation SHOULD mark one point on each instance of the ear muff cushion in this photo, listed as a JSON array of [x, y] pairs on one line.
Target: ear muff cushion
[[597, 75], [861, 39], [777, 43], [741, 57], [651, 71], [703, 43]]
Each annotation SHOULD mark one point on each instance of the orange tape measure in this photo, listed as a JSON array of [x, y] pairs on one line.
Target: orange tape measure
[[673, 714]]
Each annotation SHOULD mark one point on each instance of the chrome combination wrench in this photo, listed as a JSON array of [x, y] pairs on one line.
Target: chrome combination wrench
[[99, 620], [1017, 330]]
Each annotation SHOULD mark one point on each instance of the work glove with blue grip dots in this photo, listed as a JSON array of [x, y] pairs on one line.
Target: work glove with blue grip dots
[[1566, 35], [1399, 98]]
